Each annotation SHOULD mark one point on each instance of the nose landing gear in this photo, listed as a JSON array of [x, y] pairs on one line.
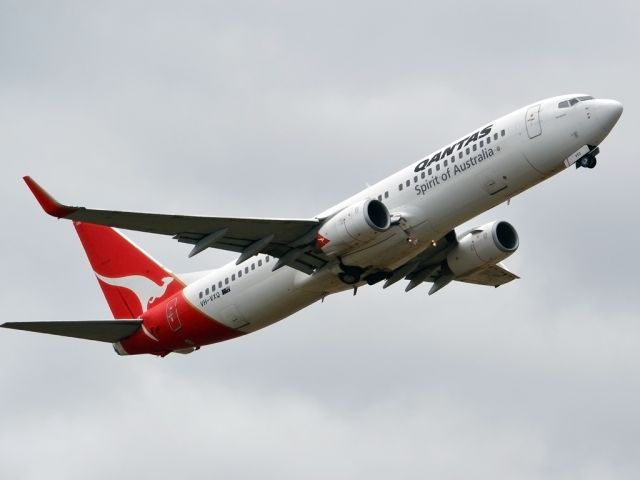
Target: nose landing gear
[[588, 160]]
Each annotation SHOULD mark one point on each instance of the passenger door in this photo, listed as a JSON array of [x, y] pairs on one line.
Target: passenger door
[[532, 120]]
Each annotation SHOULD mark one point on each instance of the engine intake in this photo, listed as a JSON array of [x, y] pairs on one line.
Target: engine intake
[[483, 246], [354, 226]]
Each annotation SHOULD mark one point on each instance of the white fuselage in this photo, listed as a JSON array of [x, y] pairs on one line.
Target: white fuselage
[[468, 177]]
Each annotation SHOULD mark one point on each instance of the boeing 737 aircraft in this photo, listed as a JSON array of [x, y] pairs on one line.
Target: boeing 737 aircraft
[[402, 228]]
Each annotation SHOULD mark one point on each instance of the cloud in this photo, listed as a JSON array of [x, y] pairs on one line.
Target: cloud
[[281, 109]]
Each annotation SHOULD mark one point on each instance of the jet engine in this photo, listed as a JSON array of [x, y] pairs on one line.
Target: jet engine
[[352, 227], [482, 246]]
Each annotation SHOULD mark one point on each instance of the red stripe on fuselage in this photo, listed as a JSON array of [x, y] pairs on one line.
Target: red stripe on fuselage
[[175, 324]]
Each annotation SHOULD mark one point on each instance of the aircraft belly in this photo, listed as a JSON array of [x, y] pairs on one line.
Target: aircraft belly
[[387, 255], [264, 310], [252, 305], [493, 181]]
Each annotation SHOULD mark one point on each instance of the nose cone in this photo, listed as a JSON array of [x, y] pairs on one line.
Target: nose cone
[[606, 115], [609, 111]]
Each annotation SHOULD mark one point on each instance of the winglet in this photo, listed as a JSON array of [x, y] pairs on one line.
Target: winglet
[[46, 201]]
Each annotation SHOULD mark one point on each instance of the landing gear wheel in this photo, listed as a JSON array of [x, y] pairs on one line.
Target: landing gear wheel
[[588, 161], [348, 278]]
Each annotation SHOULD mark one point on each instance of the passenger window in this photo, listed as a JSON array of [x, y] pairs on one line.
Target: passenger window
[[260, 262], [495, 136], [233, 277], [468, 151], [408, 182], [266, 259], [438, 167], [220, 284], [206, 292], [446, 163], [481, 143], [253, 266], [400, 187], [415, 179], [200, 295], [379, 198], [246, 269], [239, 273], [502, 133], [226, 281], [460, 155], [488, 140], [430, 171], [213, 288], [386, 194], [452, 159], [475, 147]]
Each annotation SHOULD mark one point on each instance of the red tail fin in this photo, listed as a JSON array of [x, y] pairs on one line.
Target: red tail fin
[[130, 279]]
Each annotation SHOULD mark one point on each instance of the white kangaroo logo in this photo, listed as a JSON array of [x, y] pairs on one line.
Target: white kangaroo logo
[[146, 290]]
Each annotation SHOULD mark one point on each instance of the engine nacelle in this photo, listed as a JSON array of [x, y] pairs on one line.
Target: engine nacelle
[[483, 246], [352, 227]]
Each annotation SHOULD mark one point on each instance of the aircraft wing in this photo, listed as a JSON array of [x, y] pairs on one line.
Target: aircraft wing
[[101, 330], [290, 240], [430, 266]]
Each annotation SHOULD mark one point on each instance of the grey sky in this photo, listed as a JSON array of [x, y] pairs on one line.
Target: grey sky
[[282, 109]]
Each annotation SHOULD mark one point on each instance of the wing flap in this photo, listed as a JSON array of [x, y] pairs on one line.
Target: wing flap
[[102, 331], [493, 275]]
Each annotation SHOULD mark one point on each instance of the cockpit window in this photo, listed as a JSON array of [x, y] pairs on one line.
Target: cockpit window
[[571, 102]]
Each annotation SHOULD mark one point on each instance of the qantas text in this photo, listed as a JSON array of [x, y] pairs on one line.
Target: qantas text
[[452, 171], [453, 148]]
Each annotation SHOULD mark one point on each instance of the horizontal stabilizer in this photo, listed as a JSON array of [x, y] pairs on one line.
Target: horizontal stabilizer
[[101, 330]]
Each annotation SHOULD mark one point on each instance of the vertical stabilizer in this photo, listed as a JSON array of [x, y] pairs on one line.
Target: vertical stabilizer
[[132, 281]]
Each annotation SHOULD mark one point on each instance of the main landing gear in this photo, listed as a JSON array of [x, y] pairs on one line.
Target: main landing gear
[[350, 274], [353, 275], [349, 278], [588, 160]]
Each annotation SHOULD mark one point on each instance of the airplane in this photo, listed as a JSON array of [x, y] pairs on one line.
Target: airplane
[[401, 228]]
